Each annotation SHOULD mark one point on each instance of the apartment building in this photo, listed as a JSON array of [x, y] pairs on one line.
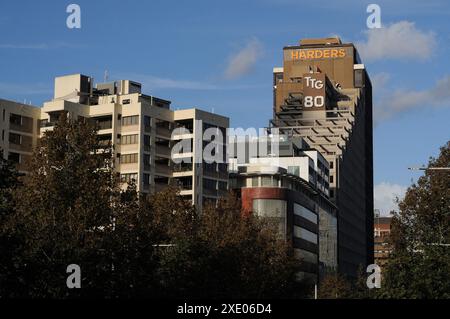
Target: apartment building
[[141, 128], [323, 94], [19, 127]]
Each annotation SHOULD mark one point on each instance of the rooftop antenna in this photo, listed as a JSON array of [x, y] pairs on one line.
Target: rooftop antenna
[[106, 76]]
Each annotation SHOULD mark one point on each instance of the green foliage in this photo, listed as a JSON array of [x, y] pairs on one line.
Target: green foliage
[[335, 286], [9, 181], [70, 209], [228, 255], [419, 266]]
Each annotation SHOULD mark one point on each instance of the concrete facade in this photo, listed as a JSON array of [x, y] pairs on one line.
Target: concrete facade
[[140, 127]]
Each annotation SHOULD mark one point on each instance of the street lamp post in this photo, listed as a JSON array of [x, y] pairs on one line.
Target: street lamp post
[[429, 168]]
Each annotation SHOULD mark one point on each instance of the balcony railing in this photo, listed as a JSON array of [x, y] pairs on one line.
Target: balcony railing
[[185, 167], [47, 123], [163, 131], [163, 150], [105, 125], [164, 169]]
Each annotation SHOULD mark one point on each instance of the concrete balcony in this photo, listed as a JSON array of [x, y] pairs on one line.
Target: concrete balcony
[[161, 169], [163, 151], [163, 132]]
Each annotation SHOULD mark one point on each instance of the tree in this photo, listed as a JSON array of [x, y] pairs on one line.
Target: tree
[[71, 210], [9, 181], [229, 255], [334, 286], [420, 236]]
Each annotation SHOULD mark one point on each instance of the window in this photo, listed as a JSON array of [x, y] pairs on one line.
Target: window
[[129, 158], [222, 186], [305, 255], [274, 210], [127, 101], [4, 113], [209, 183], [305, 213], [15, 119], [255, 181], [302, 233], [14, 157], [147, 142], [15, 138], [269, 181], [146, 179], [331, 178], [129, 139], [129, 178], [331, 165], [147, 160], [294, 170], [147, 121], [130, 120]]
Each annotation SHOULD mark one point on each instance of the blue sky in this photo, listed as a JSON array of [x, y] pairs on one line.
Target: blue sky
[[219, 55]]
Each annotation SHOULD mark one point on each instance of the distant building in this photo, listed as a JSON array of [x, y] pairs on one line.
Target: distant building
[[19, 130], [292, 189], [382, 232], [323, 94], [142, 128]]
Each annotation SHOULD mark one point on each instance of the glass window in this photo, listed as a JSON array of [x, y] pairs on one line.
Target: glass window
[[305, 255], [15, 138], [266, 181], [147, 121], [147, 160], [129, 158], [128, 178], [302, 233], [14, 157], [255, 181], [274, 209], [304, 212], [130, 120], [269, 181], [15, 119], [129, 139], [294, 170], [146, 179], [222, 185]]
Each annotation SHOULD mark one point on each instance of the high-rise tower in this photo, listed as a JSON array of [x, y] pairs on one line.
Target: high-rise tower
[[323, 94]]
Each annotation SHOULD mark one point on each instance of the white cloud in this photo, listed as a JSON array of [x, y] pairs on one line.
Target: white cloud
[[385, 195], [399, 101], [397, 41], [380, 80], [242, 62]]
